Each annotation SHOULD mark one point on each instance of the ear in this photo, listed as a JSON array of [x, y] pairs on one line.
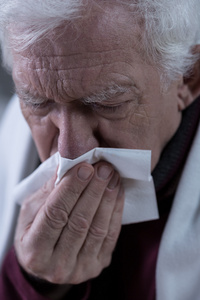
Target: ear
[[189, 87]]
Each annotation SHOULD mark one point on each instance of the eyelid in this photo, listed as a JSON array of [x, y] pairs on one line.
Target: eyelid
[[37, 105], [102, 107], [37, 101], [109, 105]]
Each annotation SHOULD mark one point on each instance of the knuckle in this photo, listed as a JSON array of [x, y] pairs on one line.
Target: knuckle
[[97, 232], [77, 278], [78, 224], [30, 262], [85, 272], [45, 189], [58, 276], [112, 236], [106, 261], [95, 269], [25, 208], [94, 193], [56, 216]]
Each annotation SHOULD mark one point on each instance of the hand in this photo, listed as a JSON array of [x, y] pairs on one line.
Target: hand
[[66, 234]]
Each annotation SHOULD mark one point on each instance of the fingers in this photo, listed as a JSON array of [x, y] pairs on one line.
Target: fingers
[[114, 229], [103, 233], [83, 213], [73, 231], [100, 223], [93, 227], [33, 203], [53, 215]]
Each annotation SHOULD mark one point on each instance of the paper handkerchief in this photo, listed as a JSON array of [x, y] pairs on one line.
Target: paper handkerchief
[[134, 167]]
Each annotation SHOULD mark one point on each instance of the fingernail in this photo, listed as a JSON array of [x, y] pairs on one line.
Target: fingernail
[[114, 181], [84, 173], [104, 171]]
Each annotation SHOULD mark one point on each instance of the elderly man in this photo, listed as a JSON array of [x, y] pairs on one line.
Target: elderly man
[[112, 74]]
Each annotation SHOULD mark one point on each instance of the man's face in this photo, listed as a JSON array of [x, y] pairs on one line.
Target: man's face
[[97, 62]]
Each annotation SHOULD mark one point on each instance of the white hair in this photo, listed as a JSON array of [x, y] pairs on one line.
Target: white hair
[[171, 27]]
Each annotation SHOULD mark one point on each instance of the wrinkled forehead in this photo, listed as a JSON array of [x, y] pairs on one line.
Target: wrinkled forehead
[[101, 29], [81, 55]]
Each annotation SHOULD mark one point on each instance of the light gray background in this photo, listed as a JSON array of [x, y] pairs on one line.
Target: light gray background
[[6, 89]]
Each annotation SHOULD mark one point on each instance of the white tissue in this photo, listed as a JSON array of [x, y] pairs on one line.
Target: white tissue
[[134, 167]]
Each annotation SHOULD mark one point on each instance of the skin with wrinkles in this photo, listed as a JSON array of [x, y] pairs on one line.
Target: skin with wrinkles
[[67, 234], [85, 64]]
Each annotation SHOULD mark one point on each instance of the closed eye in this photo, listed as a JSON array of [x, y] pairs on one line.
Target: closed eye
[[106, 108], [110, 109], [37, 104]]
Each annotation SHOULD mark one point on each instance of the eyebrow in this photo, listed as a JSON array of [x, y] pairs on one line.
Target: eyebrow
[[30, 98], [106, 94]]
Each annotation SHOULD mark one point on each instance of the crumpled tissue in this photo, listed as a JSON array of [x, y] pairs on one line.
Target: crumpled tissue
[[134, 167]]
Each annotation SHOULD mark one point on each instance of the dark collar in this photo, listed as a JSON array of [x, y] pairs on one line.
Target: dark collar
[[168, 170]]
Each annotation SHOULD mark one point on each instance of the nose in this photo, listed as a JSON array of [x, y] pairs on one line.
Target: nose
[[76, 132]]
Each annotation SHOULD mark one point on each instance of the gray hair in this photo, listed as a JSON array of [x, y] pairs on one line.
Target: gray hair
[[171, 27]]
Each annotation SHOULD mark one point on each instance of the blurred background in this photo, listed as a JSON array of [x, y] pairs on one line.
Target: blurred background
[[6, 89]]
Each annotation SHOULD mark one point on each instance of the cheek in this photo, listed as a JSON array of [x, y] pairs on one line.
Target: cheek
[[43, 131], [44, 138], [120, 134], [140, 130]]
